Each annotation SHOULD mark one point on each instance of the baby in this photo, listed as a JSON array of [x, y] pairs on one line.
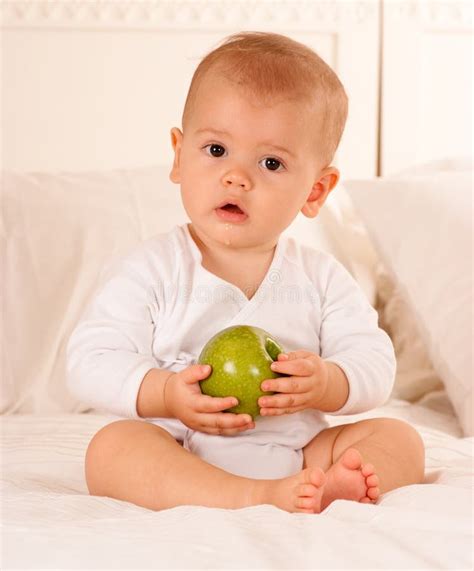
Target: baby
[[262, 121]]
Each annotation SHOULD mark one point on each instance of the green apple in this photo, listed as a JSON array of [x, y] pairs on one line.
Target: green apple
[[240, 357]]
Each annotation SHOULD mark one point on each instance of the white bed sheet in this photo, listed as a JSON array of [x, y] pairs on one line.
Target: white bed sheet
[[50, 521]]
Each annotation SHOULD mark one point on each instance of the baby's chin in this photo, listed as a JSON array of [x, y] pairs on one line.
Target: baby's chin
[[233, 236]]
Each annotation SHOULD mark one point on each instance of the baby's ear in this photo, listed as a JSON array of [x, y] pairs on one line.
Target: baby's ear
[[326, 181], [176, 142]]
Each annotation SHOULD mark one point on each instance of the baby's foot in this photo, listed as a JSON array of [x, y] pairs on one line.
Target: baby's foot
[[349, 479], [299, 493]]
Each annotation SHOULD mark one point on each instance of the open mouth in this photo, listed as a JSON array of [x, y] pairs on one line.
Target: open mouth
[[232, 208], [231, 213]]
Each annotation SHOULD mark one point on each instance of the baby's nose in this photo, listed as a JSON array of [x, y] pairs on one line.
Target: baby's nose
[[238, 179]]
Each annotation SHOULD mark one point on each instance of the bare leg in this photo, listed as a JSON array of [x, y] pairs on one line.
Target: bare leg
[[367, 458], [142, 463]]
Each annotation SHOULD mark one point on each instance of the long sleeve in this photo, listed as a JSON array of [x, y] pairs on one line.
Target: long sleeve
[[110, 350], [350, 337]]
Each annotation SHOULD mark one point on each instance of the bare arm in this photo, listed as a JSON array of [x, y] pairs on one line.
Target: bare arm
[[337, 391], [150, 399]]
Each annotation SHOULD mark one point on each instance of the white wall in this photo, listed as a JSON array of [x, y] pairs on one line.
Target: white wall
[[97, 85], [427, 82], [88, 87]]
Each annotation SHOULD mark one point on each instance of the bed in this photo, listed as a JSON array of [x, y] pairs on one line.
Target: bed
[[77, 193], [54, 523]]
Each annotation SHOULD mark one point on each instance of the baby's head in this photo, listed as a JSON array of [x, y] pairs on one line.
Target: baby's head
[[261, 124]]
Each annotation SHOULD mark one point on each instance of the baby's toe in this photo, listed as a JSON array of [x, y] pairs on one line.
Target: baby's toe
[[305, 504], [367, 469], [317, 477], [365, 501], [372, 481], [373, 493], [305, 490]]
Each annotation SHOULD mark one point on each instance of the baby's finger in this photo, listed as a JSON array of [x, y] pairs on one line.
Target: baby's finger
[[280, 411], [301, 354], [297, 366], [195, 373], [283, 401], [226, 423], [289, 385], [205, 403]]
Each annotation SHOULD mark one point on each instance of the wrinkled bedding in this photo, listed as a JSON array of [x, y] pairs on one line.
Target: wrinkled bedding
[[50, 521]]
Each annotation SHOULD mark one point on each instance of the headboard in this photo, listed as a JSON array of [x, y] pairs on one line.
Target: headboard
[[99, 84]]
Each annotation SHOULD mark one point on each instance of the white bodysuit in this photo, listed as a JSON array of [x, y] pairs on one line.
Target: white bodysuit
[[158, 306]]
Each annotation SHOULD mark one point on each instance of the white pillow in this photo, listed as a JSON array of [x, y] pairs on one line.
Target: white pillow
[[60, 231], [421, 226], [415, 376]]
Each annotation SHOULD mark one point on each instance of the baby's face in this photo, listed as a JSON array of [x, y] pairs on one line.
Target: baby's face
[[262, 158]]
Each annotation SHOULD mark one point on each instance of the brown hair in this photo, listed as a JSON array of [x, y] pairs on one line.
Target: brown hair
[[271, 66]]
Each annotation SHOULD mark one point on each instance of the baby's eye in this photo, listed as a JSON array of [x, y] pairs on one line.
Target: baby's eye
[[215, 150], [273, 164]]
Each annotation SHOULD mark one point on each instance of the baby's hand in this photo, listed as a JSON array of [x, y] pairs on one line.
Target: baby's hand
[[303, 389], [185, 401]]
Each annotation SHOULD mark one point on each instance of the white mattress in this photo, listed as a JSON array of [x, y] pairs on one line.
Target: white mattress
[[50, 521]]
